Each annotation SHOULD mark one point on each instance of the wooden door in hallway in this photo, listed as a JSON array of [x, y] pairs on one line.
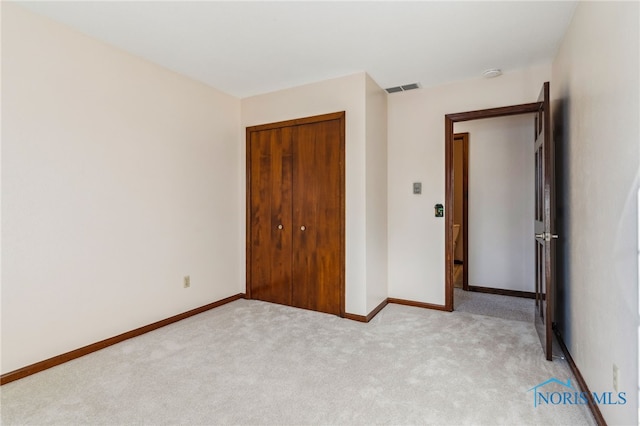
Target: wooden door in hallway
[[461, 210], [544, 222], [295, 213]]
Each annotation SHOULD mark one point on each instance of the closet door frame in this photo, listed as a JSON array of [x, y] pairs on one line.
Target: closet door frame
[[341, 170]]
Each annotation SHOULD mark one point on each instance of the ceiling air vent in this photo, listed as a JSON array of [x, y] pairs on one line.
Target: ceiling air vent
[[394, 89], [403, 88]]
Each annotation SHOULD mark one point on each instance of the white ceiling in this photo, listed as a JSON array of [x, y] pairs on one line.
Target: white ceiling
[[248, 48]]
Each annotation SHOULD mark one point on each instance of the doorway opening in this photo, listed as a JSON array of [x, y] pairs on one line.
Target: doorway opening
[[450, 119], [493, 205]]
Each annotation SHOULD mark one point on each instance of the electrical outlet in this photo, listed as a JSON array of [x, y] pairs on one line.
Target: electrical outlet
[[616, 377], [187, 282]]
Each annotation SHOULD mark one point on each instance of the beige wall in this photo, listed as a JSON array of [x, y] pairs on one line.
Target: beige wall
[[416, 154], [501, 202], [340, 94], [376, 193], [118, 178], [595, 94]]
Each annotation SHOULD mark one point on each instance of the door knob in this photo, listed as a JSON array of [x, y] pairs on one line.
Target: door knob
[[302, 228], [279, 226], [547, 236]]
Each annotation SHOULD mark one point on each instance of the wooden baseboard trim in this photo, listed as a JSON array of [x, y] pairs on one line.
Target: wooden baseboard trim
[[362, 318], [595, 411], [85, 350], [369, 317], [503, 292], [354, 317], [418, 304], [377, 309]]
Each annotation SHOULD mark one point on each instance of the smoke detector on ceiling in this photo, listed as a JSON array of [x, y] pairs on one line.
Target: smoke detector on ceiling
[[403, 88], [491, 73]]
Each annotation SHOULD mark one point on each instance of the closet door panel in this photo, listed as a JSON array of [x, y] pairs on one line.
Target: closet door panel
[[317, 216], [270, 215]]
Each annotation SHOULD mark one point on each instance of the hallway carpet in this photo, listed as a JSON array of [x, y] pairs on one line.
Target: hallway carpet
[[494, 305], [254, 363]]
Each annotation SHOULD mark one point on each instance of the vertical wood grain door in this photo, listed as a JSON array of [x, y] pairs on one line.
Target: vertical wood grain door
[[270, 172], [543, 223], [317, 216], [295, 213]]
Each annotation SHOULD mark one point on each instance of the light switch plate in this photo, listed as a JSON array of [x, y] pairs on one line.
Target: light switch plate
[[417, 187]]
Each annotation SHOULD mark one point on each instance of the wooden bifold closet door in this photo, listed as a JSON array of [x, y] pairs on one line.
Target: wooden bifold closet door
[[295, 213]]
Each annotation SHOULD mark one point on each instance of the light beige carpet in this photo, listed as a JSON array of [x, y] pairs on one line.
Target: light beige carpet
[[494, 305], [251, 362]]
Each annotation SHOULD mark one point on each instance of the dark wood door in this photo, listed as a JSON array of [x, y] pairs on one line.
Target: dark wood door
[[295, 213], [544, 222], [270, 233], [317, 216]]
